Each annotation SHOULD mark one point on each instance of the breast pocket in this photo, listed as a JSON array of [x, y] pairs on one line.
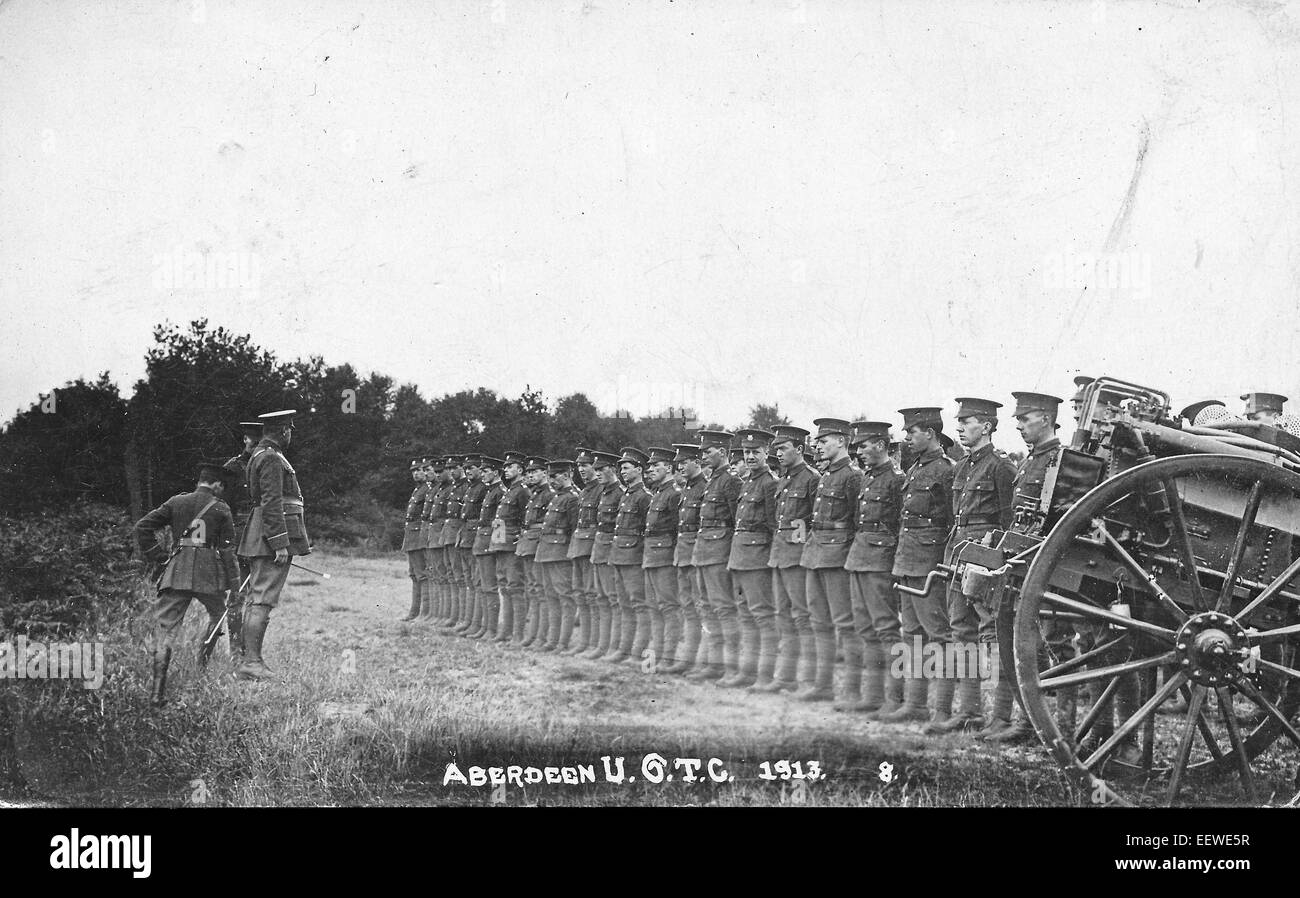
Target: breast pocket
[[830, 502], [918, 500], [626, 542]]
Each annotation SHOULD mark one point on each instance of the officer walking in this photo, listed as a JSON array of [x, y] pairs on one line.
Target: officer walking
[[276, 532], [751, 550], [202, 565], [241, 506]]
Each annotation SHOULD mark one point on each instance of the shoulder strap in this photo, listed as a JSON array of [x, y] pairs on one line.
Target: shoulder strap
[[197, 518]]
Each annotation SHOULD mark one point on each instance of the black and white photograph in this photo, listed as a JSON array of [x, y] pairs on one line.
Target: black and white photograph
[[606, 403]]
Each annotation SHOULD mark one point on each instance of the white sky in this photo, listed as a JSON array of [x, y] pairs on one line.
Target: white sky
[[840, 207]]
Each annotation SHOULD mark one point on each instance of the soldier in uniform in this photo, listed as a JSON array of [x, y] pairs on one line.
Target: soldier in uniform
[[926, 520], [982, 495], [870, 563], [690, 588], [538, 618], [506, 528], [484, 554], [579, 552], [471, 608], [712, 551], [411, 544], [827, 582], [751, 549], [202, 565], [435, 516], [627, 555], [1263, 407], [276, 532], [555, 569], [605, 607], [242, 507], [452, 526], [657, 559], [795, 492]]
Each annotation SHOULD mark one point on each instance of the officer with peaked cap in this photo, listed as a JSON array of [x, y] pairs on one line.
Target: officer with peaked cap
[[1203, 412], [657, 558], [579, 552], [983, 493], [202, 564], [411, 536], [926, 520], [824, 555], [539, 484], [751, 549], [432, 474], [713, 550], [241, 506], [555, 568], [607, 616], [276, 532], [691, 597], [871, 586], [506, 528], [795, 491], [452, 527], [471, 506], [1263, 407], [626, 556], [485, 556], [1080, 386], [435, 515]]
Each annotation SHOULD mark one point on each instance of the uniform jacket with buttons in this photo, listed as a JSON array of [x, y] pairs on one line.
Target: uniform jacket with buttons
[[927, 514], [236, 495], [487, 514], [277, 519], [584, 528], [751, 546], [203, 559], [688, 520], [509, 520], [661, 524], [426, 515], [876, 523], [452, 523], [438, 514], [611, 494], [629, 526], [717, 519], [795, 493], [1028, 480], [834, 512], [533, 516], [558, 523], [411, 536], [982, 494], [470, 509]]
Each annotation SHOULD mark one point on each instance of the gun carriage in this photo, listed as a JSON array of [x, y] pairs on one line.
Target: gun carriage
[[1168, 555]]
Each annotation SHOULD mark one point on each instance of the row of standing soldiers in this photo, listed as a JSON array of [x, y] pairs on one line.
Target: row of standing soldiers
[[755, 575]]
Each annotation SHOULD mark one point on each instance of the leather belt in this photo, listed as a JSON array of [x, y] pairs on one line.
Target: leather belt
[[872, 526], [834, 525], [964, 520]]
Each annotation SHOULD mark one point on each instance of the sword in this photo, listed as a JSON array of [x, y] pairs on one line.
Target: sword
[[304, 567], [217, 629]]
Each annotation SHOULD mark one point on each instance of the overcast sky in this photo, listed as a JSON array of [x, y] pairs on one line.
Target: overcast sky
[[840, 207]]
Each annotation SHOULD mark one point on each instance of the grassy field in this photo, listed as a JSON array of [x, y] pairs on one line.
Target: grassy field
[[372, 711]]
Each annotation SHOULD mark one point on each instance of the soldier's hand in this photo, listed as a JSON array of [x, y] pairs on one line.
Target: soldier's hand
[[281, 556]]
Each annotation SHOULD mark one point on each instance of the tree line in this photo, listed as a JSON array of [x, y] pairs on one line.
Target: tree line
[[86, 442]]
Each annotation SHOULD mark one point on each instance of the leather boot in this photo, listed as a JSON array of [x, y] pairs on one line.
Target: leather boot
[[747, 664], [1125, 706], [873, 677], [851, 691], [765, 669], [913, 708], [559, 627], [1003, 702], [808, 660], [943, 692], [969, 714], [426, 599], [519, 622], [598, 625], [543, 623], [712, 646], [467, 605], [657, 648], [821, 689], [688, 650], [1018, 731], [642, 636], [616, 623], [893, 690], [208, 643], [158, 685], [532, 622], [669, 637], [605, 633], [255, 623], [414, 612], [235, 631], [630, 635], [785, 677], [487, 629]]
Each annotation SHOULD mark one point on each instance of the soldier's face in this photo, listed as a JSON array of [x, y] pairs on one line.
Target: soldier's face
[[1034, 427], [919, 438], [607, 474], [788, 453], [691, 467], [873, 452], [971, 430], [487, 475], [828, 445], [715, 456], [512, 471], [629, 472], [1263, 417], [473, 472], [755, 459], [588, 472]]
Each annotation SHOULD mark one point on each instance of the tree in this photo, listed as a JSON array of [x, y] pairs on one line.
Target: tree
[[766, 417]]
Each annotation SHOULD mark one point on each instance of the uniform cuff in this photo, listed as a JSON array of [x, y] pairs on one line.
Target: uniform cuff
[[278, 542]]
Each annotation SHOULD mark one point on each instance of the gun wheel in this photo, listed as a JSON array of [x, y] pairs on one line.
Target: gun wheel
[[1168, 582]]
